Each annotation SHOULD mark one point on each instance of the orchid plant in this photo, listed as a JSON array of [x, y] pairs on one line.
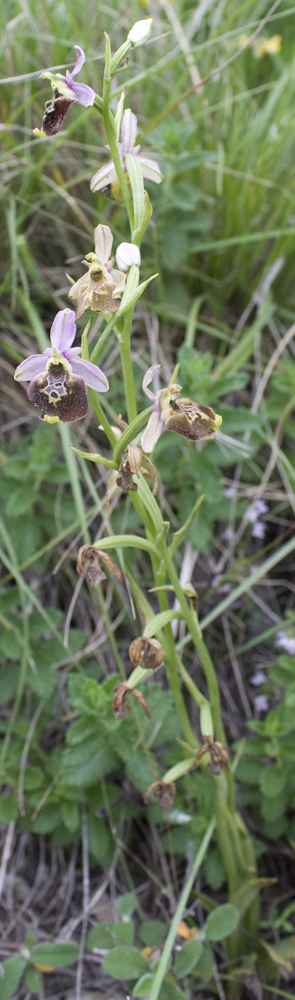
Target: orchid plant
[[58, 380]]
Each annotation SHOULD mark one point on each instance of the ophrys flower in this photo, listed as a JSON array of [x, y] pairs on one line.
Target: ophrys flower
[[65, 92], [100, 288], [59, 377], [106, 175], [174, 413]]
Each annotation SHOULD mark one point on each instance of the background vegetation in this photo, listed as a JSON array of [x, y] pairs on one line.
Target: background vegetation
[[222, 239]]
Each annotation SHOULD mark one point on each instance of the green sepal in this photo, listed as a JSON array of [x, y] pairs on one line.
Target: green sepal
[[119, 57], [147, 214], [131, 432], [130, 295], [136, 182]]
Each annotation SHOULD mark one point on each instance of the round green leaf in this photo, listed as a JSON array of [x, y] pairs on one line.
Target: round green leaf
[[55, 954], [187, 958], [152, 931], [125, 963], [221, 922], [13, 970], [143, 985], [100, 937]]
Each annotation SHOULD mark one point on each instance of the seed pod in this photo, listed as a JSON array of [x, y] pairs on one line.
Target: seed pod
[[146, 653]]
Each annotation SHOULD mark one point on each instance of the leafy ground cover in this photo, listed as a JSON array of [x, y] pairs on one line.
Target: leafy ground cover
[[95, 879]]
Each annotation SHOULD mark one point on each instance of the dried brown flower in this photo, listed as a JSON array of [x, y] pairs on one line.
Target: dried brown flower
[[120, 707], [218, 754], [146, 653], [165, 793], [133, 463], [89, 565]]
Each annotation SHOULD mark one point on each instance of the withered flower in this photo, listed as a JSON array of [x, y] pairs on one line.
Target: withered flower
[[174, 413], [218, 754], [101, 287], [133, 463], [120, 707], [89, 565], [165, 793], [146, 653]]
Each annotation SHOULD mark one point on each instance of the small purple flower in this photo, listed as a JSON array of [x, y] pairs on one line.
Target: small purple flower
[[66, 92], [260, 703], [258, 530], [255, 510], [150, 168], [286, 642], [59, 377]]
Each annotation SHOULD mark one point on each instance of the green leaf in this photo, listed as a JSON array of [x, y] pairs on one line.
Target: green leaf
[[187, 958], [152, 931], [13, 970], [100, 937], [221, 922], [157, 622], [55, 954], [124, 930], [8, 683], [272, 781], [20, 500], [87, 695], [206, 965], [8, 808], [47, 820], [11, 645], [126, 904], [70, 815], [33, 979], [125, 963], [96, 457], [143, 985]]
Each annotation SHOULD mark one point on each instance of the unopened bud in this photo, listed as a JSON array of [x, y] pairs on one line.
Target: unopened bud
[[127, 254], [140, 32], [146, 653]]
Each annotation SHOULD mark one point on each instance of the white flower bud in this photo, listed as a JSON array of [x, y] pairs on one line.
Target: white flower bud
[[126, 255], [140, 32]]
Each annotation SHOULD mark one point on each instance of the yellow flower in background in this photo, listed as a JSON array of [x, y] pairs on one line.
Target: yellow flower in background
[[270, 46]]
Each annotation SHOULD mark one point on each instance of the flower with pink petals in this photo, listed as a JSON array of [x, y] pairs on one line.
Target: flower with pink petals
[[66, 91], [150, 168], [170, 413], [59, 377]]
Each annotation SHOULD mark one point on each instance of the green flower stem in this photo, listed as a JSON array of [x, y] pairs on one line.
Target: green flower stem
[[169, 943], [124, 337], [189, 683], [167, 639], [102, 418], [110, 130], [71, 462], [192, 624]]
